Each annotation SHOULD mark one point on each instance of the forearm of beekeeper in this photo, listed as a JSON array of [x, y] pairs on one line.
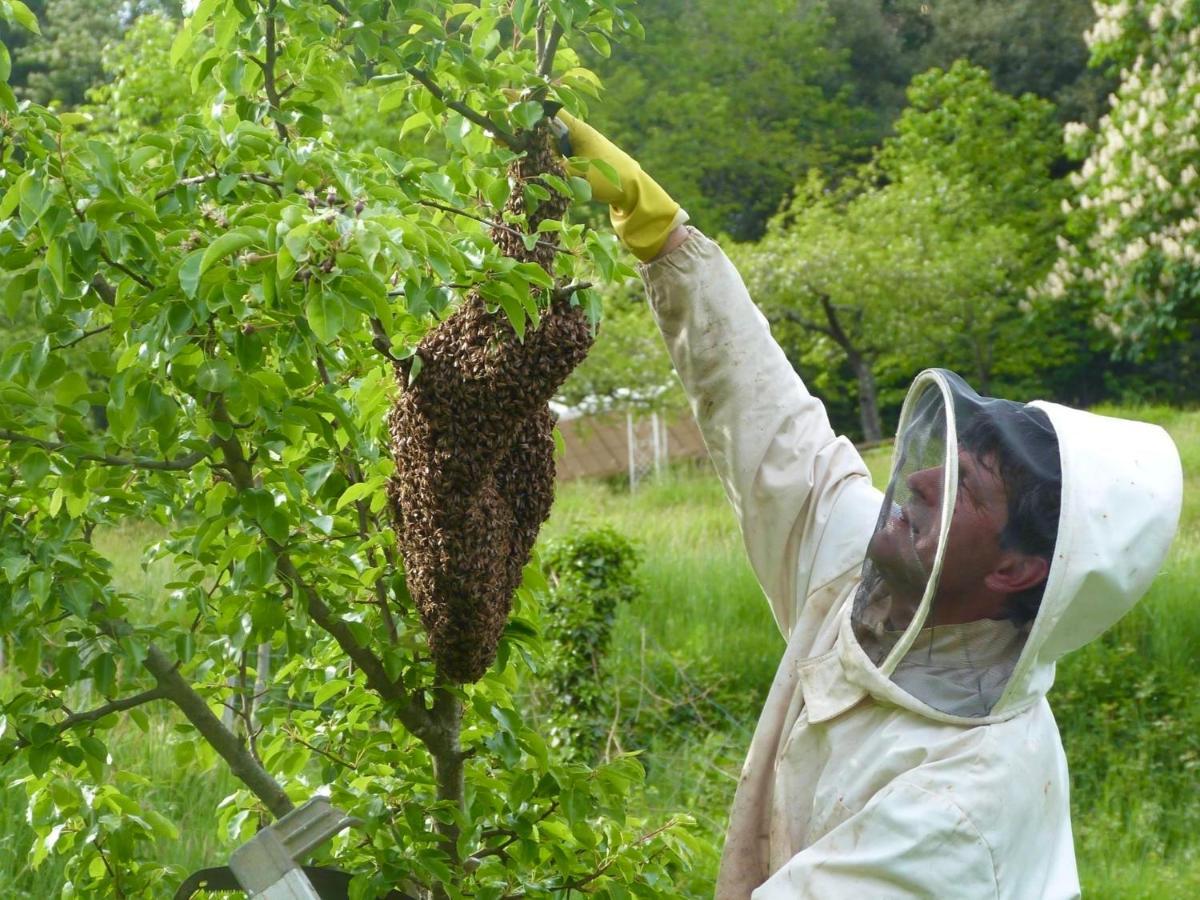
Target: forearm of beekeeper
[[801, 493]]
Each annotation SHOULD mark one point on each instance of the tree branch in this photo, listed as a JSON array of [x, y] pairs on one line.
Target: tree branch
[[568, 290], [107, 292], [408, 709], [254, 177], [81, 338], [790, 315], [92, 715], [268, 69], [225, 742], [454, 210], [546, 59], [473, 115], [180, 463]]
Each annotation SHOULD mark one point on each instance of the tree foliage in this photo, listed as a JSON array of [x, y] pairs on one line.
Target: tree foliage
[[1027, 46], [1132, 247], [231, 290], [924, 259], [729, 104]]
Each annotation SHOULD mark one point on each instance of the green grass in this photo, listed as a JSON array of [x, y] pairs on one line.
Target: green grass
[[692, 660]]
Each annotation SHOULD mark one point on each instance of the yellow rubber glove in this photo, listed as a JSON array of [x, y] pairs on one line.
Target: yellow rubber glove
[[642, 213]]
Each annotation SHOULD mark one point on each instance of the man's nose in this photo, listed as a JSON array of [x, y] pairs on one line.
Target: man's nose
[[926, 484]]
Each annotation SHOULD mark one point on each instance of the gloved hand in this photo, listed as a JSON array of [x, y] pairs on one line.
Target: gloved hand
[[642, 213]]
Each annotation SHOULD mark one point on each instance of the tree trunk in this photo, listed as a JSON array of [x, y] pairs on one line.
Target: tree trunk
[[868, 399], [448, 759]]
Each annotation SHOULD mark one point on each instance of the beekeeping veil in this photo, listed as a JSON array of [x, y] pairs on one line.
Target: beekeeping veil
[[957, 453]]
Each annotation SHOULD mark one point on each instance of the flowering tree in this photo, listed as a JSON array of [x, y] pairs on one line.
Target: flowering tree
[[214, 308], [1132, 245]]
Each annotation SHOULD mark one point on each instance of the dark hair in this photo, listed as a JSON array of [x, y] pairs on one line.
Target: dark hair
[[1019, 444]]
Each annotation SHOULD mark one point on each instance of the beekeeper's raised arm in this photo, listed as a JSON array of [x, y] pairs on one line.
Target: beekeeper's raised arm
[[802, 494]]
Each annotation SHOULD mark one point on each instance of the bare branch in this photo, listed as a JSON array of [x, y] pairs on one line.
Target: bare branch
[[454, 210], [81, 338], [568, 290], [107, 292], [268, 67]]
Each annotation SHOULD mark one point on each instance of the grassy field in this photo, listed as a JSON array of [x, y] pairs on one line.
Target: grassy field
[[692, 660]]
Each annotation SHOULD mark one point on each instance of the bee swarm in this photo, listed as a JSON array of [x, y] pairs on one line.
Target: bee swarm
[[474, 450]]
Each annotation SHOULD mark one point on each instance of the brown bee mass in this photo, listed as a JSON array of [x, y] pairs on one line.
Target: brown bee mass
[[472, 439]]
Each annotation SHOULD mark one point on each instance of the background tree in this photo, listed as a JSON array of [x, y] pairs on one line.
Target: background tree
[[241, 285], [1132, 246], [925, 258], [67, 59], [732, 103], [1027, 46]]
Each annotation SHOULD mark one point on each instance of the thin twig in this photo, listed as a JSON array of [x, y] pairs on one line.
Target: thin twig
[[81, 338], [255, 177], [433, 204], [92, 715], [268, 68], [104, 255], [332, 757]]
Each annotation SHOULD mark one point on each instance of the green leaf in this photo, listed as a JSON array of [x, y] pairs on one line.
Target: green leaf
[[600, 43], [5, 63], [214, 375], [354, 492], [326, 315], [527, 114], [190, 273], [222, 247], [260, 567], [24, 16], [40, 759], [394, 98], [328, 690], [416, 120], [440, 184], [34, 467]]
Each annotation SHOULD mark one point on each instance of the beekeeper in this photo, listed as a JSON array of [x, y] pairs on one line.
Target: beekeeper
[[906, 748]]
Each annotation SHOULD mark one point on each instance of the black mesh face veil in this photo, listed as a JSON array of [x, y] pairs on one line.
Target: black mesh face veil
[[975, 483]]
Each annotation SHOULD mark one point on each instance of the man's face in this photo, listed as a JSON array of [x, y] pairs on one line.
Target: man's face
[[903, 550]]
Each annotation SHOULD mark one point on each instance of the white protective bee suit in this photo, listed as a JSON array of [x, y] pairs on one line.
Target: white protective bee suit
[[856, 786]]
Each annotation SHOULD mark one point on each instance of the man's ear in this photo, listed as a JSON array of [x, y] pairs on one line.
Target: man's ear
[[1016, 572]]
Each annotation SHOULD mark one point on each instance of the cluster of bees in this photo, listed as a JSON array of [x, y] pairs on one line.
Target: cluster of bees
[[472, 437]]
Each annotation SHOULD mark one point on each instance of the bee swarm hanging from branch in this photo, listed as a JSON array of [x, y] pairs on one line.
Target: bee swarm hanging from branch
[[473, 443]]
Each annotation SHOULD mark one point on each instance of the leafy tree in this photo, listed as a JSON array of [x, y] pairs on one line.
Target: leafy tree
[[729, 104], [1132, 245], [925, 258], [242, 286], [1028, 46], [67, 58]]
